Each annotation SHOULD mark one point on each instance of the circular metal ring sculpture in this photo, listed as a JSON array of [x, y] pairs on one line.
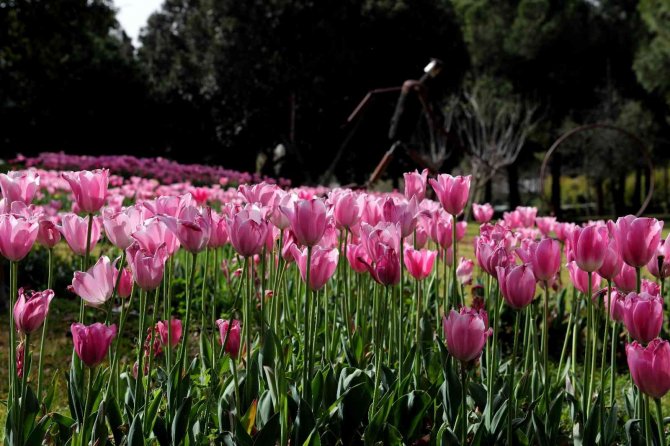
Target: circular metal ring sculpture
[[640, 144]]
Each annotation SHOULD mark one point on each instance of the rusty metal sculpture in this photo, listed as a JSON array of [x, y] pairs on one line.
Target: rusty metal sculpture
[[403, 126]]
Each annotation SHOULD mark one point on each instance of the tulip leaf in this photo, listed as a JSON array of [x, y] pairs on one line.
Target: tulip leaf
[[634, 435], [269, 433], [180, 421], [540, 431], [135, 434], [408, 412], [99, 431]]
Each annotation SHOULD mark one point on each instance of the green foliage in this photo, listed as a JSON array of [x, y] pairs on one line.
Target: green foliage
[[652, 61]]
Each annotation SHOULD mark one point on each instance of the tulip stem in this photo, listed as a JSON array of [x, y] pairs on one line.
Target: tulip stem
[[586, 397], [306, 354], [647, 421], [203, 306], [464, 410], [400, 322], [88, 241], [512, 406], [660, 423], [187, 323], [44, 328], [151, 349], [603, 360], [13, 380], [454, 282], [613, 362], [139, 386], [545, 351]]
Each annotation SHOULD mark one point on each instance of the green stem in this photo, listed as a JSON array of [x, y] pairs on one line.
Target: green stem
[[306, 354], [187, 323], [613, 362], [88, 241], [464, 409], [139, 386], [44, 329], [203, 306], [647, 420], [587, 354], [512, 405], [13, 380], [151, 351], [454, 261], [545, 351], [660, 423]]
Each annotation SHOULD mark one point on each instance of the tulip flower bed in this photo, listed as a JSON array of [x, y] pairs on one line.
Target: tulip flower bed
[[258, 315]]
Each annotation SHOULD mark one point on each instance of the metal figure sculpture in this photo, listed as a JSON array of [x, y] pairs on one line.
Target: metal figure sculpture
[[417, 125]]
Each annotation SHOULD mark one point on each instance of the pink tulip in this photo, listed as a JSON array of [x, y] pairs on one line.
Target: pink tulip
[[385, 266], [482, 212], [420, 235], [580, 278], [546, 260], [626, 280], [92, 342], [452, 192], [47, 233], [404, 214], [20, 358], [31, 311], [147, 266], [615, 305], [175, 332], [464, 271], [415, 184], [322, 265], [419, 263], [564, 231], [517, 284], [441, 231], [637, 238], [347, 210], [153, 234], [527, 215], [612, 261], [248, 230], [643, 316], [308, 220], [659, 265], [192, 228], [19, 185], [125, 286], [650, 367], [119, 226], [218, 236], [647, 286], [466, 333], [96, 285], [166, 205], [590, 246], [545, 224], [491, 256], [261, 194], [358, 258], [88, 188], [232, 346], [75, 230], [17, 236], [386, 234]]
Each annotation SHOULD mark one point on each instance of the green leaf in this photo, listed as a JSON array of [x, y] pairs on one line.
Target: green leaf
[[99, 431], [540, 430], [180, 421], [135, 434], [408, 412], [114, 418], [269, 433]]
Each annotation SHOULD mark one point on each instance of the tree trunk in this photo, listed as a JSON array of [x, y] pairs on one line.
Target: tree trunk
[[600, 197], [513, 183], [488, 191], [556, 162]]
